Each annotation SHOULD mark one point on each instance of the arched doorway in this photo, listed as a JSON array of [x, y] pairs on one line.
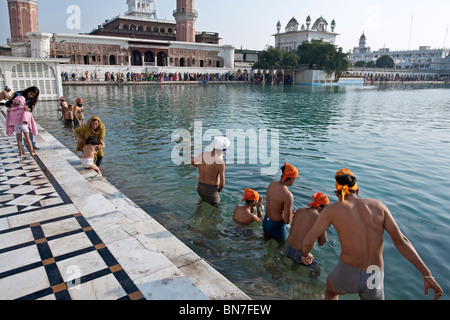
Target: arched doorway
[[112, 60], [162, 59], [182, 63], [136, 58], [149, 58]]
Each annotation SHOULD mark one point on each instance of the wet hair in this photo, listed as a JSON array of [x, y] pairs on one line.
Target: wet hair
[[93, 140], [348, 180]]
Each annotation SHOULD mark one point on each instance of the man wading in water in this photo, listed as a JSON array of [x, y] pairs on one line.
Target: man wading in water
[[360, 224], [211, 171]]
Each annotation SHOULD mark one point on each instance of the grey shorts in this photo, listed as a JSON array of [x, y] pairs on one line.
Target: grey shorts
[[208, 193], [348, 280]]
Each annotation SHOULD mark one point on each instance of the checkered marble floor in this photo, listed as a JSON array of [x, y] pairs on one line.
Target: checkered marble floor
[[48, 250]]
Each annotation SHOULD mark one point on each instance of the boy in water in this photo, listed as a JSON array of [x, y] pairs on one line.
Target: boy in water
[[279, 201], [244, 214], [304, 219], [92, 144]]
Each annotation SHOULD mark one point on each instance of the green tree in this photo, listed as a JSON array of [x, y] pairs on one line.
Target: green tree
[[360, 64], [385, 62], [324, 56], [290, 59], [370, 64], [271, 57]]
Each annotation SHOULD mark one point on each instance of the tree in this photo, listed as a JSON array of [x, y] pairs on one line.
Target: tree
[[360, 64], [271, 57], [385, 62], [324, 56], [275, 58], [370, 64]]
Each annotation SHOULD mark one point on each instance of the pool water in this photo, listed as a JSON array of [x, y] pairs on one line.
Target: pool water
[[395, 139]]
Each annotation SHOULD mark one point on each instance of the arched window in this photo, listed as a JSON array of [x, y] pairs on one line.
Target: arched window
[[133, 27], [155, 29], [125, 27], [140, 28]]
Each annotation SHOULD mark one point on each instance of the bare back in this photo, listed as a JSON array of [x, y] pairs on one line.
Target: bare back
[[279, 201], [211, 169], [302, 222], [89, 151], [360, 226]]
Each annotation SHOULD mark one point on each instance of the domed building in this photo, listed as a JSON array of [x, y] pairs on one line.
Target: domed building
[[292, 37]]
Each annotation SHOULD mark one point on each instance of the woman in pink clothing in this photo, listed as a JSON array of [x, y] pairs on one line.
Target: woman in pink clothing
[[20, 120]]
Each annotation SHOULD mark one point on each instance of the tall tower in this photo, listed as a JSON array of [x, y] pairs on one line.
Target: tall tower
[[23, 18], [185, 15]]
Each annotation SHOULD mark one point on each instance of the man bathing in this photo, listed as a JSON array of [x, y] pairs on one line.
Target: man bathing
[[360, 224], [302, 222], [211, 170], [279, 204], [244, 214]]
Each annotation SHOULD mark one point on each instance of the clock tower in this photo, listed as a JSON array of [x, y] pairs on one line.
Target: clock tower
[[185, 16]]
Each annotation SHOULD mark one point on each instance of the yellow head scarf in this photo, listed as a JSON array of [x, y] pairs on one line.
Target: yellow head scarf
[[344, 189]]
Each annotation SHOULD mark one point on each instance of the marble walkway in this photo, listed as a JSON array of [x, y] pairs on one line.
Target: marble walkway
[[68, 234]]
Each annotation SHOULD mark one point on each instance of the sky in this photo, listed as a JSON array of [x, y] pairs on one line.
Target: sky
[[250, 24]]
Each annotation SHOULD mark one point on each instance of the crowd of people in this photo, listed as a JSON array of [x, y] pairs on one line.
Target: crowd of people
[[360, 224], [129, 76]]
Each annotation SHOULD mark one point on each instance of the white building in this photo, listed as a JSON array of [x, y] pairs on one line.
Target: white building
[[423, 59], [292, 36]]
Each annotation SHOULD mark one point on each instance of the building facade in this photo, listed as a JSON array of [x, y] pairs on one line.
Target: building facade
[[423, 59], [137, 38], [293, 36]]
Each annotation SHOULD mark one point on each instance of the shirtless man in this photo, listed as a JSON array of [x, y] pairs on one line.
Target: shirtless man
[[304, 219], [78, 113], [5, 94], [211, 169], [360, 224], [279, 204], [244, 214]]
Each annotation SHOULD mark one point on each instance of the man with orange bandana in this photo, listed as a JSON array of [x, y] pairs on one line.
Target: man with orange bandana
[[279, 204], [360, 224], [304, 219], [244, 214]]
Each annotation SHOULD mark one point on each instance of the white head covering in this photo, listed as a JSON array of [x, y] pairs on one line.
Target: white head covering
[[221, 143]]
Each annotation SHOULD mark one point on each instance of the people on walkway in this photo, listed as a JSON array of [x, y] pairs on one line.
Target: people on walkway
[[32, 96], [94, 126], [360, 224], [245, 214], [302, 222], [211, 171], [20, 120], [279, 201]]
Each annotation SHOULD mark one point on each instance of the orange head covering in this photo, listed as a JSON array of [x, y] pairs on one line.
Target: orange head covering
[[319, 200], [250, 194], [344, 189], [289, 172]]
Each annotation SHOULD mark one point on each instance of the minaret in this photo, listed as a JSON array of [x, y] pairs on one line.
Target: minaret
[[23, 18], [185, 15]]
